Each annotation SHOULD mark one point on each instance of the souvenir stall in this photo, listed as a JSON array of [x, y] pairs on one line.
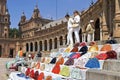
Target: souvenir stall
[[69, 63]]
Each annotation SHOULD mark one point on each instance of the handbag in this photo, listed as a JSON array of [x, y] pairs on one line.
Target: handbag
[[75, 25]]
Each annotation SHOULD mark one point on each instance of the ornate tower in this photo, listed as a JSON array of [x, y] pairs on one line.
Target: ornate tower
[[23, 18], [36, 12], [4, 20]]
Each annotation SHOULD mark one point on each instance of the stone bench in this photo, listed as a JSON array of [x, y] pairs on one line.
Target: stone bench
[[94, 74], [112, 65]]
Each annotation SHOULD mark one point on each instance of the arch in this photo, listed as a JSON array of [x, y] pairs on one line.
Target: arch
[[0, 50], [55, 45], [61, 40], [36, 46], [80, 35], [31, 46], [45, 45], [97, 30], [66, 39], [27, 47], [40, 44], [50, 44], [11, 52]]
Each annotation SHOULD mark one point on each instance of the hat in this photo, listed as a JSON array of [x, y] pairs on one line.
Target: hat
[[91, 21]]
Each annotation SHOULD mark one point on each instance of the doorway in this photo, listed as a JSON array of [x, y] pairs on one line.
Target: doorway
[[11, 53], [97, 30]]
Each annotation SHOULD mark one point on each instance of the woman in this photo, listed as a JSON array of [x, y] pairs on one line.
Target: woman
[[70, 29], [76, 27]]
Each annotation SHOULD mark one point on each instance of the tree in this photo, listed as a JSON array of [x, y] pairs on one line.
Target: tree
[[14, 33]]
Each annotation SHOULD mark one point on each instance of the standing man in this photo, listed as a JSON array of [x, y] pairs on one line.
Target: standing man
[[90, 31], [76, 25], [70, 29]]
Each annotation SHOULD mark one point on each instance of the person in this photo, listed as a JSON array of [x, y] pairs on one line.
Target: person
[[77, 28], [90, 31], [20, 53], [70, 29], [111, 40]]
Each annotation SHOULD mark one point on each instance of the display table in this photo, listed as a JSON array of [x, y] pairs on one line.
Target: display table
[[13, 76]]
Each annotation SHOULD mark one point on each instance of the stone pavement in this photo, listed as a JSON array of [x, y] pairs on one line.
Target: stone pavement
[[3, 71]]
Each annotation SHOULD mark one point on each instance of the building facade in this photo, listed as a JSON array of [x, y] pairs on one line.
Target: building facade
[[39, 34]]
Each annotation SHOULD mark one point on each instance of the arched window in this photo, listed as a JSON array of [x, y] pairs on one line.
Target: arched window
[[31, 46], [0, 50], [50, 44], [80, 35], [45, 45], [40, 44], [55, 45], [66, 39], [61, 40], [36, 46], [27, 47]]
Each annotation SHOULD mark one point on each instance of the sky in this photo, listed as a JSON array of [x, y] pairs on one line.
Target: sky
[[47, 8]]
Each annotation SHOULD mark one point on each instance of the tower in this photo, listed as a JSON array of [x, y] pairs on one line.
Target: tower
[[4, 20], [36, 12], [23, 18]]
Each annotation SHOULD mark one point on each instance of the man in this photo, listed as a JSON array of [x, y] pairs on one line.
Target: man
[[70, 29], [76, 28], [90, 31]]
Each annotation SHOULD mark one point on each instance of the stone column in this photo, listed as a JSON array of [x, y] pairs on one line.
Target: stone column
[[104, 21], [117, 8], [64, 41], [58, 43], [38, 46], [43, 45], [47, 45], [117, 19], [29, 47], [33, 47], [53, 44]]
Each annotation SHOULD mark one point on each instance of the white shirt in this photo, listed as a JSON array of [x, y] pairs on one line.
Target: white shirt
[[77, 19], [70, 22]]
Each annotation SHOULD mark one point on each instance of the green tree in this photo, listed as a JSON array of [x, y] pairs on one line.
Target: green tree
[[14, 32]]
